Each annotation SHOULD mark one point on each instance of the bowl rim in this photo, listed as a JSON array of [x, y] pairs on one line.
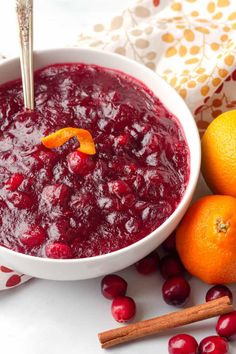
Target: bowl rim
[[193, 173]]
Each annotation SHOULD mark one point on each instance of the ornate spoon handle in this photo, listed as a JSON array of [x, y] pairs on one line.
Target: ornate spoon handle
[[24, 10]]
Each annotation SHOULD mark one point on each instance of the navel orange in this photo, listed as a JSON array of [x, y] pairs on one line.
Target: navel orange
[[219, 154], [206, 239]]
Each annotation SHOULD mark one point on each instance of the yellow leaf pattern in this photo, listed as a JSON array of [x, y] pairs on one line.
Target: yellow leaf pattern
[[190, 43]]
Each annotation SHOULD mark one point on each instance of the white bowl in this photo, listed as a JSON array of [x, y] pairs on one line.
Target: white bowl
[[75, 269]]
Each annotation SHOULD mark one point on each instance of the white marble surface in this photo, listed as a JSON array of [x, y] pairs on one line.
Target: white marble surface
[[45, 317]]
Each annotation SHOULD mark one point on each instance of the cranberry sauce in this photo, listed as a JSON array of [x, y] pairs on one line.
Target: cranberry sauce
[[61, 204]]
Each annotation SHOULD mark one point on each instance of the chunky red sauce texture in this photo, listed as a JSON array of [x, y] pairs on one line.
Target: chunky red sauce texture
[[62, 205]]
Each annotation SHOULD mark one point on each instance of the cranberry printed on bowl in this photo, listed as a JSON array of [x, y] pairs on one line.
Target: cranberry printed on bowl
[[63, 203]]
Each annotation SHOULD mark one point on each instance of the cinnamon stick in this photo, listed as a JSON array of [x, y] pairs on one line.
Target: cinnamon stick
[[159, 324]]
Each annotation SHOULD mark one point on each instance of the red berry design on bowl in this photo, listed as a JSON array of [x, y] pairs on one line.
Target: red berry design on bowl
[[113, 286], [13, 281], [148, 264], [6, 270], [33, 237], [171, 266], [58, 251], [169, 245], [183, 344], [218, 291], [80, 163], [176, 291], [123, 308], [226, 325], [213, 345]]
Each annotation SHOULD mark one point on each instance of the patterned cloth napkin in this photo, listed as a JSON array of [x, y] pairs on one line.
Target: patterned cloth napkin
[[190, 43]]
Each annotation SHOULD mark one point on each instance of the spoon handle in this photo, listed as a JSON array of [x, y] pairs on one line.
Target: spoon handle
[[24, 10]]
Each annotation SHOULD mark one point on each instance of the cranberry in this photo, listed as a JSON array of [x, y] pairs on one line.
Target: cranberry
[[45, 157], [113, 286], [119, 188], [56, 194], [148, 264], [218, 291], [182, 344], [58, 251], [226, 325], [34, 237], [176, 291], [169, 245], [123, 308], [171, 266], [60, 230], [122, 140], [80, 163], [21, 200], [130, 168], [14, 182], [213, 345], [128, 200]]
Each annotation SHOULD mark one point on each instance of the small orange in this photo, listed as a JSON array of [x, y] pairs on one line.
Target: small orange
[[219, 154], [206, 239]]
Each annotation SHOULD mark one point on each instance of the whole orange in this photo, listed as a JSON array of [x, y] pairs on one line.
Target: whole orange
[[206, 239], [219, 154]]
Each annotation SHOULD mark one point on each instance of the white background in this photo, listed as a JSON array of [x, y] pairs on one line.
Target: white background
[[56, 22], [45, 317]]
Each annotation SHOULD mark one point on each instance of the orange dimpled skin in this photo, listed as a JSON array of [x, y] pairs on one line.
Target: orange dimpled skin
[[219, 154], [206, 239]]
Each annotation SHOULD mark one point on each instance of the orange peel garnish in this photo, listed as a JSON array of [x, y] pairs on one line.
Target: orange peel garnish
[[61, 136]]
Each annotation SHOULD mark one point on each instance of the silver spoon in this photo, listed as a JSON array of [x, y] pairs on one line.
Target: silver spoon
[[24, 10]]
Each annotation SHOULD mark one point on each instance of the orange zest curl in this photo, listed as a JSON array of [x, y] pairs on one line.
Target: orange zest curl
[[61, 136]]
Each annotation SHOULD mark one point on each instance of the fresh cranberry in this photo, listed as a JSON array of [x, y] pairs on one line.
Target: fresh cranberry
[[14, 182], [34, 237], [56, 194], [183, 344], [80, 163], [226, 325], [123, 308], [148, 264], [169, 245], [218, 291], [119, 188], [171, 266], [113, 286], [176, 291], [213, 345], [58, 251], [21, 200]]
